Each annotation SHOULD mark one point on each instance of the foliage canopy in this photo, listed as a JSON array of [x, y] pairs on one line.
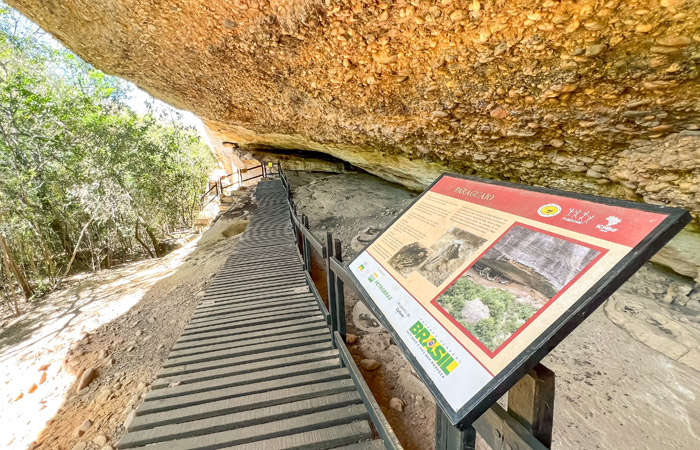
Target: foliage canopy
[[80, 173]]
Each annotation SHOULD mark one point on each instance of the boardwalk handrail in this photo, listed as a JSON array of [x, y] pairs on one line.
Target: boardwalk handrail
[[496, 426]]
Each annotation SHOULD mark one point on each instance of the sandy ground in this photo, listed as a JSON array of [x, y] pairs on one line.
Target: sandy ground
[[121, 323], [627, 378]]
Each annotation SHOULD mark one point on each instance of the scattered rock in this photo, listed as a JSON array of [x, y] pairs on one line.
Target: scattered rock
[[80, 446], [350, 338], [370, 364], [397, 404], [499, 113], [674, 41], [88, 376], [100, 440], [43, 378], [32, 388], [82, 428], [596, 49], [44, 367]]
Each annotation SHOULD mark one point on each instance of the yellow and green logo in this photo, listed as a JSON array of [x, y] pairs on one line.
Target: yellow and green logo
[[437, 352]]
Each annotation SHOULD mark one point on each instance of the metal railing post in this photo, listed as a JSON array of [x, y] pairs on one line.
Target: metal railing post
[[330, 281], [339, 291], [449, 437]]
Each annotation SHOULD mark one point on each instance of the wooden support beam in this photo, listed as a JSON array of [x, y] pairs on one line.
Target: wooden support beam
[[531, 401]]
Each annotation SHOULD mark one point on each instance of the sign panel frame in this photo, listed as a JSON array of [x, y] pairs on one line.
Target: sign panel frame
[[573, 316]]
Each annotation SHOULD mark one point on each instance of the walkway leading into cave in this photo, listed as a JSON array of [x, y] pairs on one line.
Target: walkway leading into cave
[[254, 367]]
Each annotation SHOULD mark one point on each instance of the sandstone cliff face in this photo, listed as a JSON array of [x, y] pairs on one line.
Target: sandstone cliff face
[[594, 96]]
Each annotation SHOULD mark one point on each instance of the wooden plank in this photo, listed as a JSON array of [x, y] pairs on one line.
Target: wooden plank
[[304, 333], [199, 357], [216, 304], [317, 439], [253, 306], [238, 404], [258, 284], [248, 321], [266, 356], [239, 420], [183, 401], [256, 367], [238, 280], [238, 316], [261, 320], [246, 330], [376, 444], [251, 434], [296, 287], [242, 379], [273, 333], [226, 299]]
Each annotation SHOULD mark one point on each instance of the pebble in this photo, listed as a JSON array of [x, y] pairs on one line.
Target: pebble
[[350, 338], [556, 143], [100, 440], [87, 377], [596, 49], [370, 364], [80, 446], [674, 41], [397, 404], [499, 113], [82, 428]]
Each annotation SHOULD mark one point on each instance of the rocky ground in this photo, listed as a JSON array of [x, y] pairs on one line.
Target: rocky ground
[[627, 378], [76, 366]]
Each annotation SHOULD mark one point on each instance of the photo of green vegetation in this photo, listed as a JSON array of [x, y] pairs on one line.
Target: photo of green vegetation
[[465, 300], [512, 281]]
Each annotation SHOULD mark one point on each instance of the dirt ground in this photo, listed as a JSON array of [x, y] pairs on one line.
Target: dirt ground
[[627, 378], [121, 323]]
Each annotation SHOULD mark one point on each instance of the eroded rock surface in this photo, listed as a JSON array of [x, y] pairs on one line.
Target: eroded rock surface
[[593, 96]]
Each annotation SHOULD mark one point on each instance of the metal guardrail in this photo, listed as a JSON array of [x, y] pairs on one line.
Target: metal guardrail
[[331, 252], [519, 427]]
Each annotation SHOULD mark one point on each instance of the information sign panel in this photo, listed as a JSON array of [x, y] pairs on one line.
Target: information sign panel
[[477, 280]]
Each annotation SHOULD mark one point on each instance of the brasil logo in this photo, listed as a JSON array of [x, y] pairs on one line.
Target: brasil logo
[[432, 347]]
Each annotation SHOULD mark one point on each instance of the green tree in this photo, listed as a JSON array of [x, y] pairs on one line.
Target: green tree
[[82, 177]]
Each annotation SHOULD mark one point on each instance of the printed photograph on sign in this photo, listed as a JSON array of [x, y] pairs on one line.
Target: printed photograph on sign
[[509, 283], [448, 254], [409, 258]]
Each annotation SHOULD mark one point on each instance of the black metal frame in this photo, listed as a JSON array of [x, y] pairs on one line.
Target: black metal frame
[[496, 425], [675, 220]]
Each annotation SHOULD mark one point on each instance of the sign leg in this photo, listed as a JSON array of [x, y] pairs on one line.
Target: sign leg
[[531, 402], [448, 437]]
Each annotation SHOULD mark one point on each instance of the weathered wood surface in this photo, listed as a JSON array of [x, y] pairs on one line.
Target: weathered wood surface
[[254, 367]]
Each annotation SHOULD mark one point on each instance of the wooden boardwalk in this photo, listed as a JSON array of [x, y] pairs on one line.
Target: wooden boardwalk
[[254, 367]]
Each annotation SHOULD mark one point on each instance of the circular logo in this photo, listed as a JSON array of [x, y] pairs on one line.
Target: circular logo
[[549, 210], [430, 343]]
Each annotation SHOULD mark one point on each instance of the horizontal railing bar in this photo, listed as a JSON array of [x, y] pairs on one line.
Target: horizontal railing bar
[[384, 430], [314, 292]]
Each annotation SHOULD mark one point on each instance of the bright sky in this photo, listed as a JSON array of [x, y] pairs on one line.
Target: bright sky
[[138, 102]]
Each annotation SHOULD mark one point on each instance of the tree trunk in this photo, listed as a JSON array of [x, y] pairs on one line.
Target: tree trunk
[[140, 241], [75, 249], [10, 286], [154, 240], [19, 276]]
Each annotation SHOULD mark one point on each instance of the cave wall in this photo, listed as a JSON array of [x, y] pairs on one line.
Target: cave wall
[[593, 96]]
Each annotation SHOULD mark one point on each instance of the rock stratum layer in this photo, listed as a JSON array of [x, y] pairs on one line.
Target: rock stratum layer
[[593, 96]]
